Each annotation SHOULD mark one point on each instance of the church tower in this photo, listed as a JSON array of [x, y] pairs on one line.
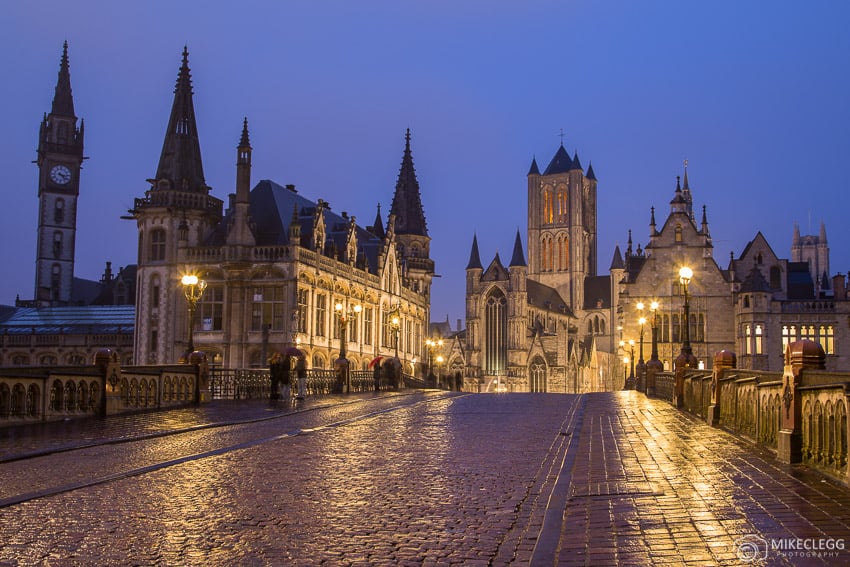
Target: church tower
[[414, 244], [176, 213], [60, 158], [562, 226]]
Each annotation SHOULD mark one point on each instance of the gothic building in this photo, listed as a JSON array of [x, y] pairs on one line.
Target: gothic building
[[280, 270], [754, 307], [540, 325]]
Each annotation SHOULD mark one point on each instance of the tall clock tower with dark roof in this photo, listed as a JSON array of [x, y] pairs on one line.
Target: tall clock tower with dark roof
[[60, 158]]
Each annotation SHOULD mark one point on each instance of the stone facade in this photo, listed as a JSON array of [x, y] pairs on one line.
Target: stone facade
[[281, 271], [538, 326]]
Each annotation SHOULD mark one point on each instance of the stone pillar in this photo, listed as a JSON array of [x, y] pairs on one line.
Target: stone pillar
[[723, 360], [653, 367], [685, 360], [798, 356], [110, 370]]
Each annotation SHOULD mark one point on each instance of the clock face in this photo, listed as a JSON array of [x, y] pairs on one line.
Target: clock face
[[60, 175]]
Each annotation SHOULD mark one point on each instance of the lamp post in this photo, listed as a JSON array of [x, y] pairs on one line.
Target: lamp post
[[193, 289], [432, 344], [439, 369], [686, 358], [654, 366], [632, 367], [625, 365], [344, 314], [395, 321], [641, 366]]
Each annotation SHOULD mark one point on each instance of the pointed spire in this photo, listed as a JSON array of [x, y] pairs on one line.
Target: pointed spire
[[518, 258], [474, 258], [590, 174], [629, 247], [576, 162], [652, 218], [617, 261], [244, 141], [407, 200], [533, 170], [63, 101], [686, 186], [378, 226], [822, 235], [180, 160], [796, 240]]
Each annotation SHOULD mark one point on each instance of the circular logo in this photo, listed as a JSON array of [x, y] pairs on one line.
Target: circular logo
[[751, 548]]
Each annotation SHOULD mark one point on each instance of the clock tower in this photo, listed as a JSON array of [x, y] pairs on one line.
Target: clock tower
[[60, 158]]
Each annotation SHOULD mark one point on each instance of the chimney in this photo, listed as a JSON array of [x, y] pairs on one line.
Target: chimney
[[458, 324]]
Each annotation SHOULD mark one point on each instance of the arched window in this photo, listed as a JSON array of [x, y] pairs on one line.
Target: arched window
[[548, 207], [562, 204], [495, 333], [59, 211], [748, 338], [678, 233], [57, 244], [759, 348], [55, 281], [537, 375]]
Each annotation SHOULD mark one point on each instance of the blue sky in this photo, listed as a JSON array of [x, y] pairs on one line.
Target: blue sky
[[755, 95]]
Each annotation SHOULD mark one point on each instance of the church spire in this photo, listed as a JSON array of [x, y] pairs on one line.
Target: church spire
[[474, 257], [180, 161], [518, 258], [63, 101], [407, 201]]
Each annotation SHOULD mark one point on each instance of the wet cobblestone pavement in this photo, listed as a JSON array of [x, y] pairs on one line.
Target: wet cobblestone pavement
[[415, 478]]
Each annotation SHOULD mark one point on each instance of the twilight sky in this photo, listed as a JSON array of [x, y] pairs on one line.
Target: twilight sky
[[755, 95]]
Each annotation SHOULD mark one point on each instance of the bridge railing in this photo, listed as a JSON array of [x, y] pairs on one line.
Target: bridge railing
[[800, 413]]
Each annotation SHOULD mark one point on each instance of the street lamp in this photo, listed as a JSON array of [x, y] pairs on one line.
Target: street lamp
[[439, 369], [641, 366], [632, 356], [654, 308], [685, 275], [432, 344], [686, 358], [344, 316], [625, 365], [395, 321], [193, 289]]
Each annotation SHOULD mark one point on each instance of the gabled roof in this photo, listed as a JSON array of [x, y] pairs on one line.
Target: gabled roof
[[271, 210], [496, 271], [533, 170], [544, 297], [755, 282]]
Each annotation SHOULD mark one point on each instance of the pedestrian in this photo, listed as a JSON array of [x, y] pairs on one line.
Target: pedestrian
[[274, 375], [376, 376], [285, 368], [301, 373]]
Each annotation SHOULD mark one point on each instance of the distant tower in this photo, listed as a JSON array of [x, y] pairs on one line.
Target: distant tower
[[60, 158], [813, 250], [414, 244], [176, 213], [562, 225]]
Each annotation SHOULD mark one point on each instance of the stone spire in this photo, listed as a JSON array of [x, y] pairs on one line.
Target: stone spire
[[474, 257], [407, 201], [63, 101], [518, 258], [180, 160], [239, 232]]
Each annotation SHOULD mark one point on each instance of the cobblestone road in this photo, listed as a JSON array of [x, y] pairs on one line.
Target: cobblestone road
[[422, 478]]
